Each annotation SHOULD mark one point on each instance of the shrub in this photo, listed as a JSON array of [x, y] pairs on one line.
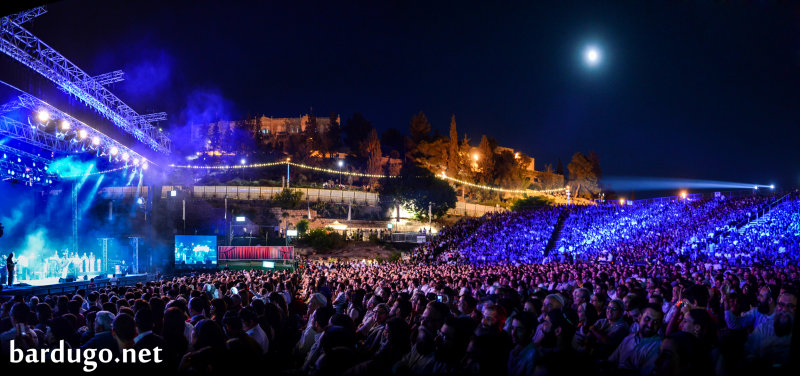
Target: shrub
[[302, 226], [532, 202], [288, 199], [323, 240]]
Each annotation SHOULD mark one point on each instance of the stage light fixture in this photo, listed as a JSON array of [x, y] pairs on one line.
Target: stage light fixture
[[125, 156], [136, 161], [82, 134], [65, 126], [145, 165], [95, 140], [772, 186], [43, 116], [114, 151]]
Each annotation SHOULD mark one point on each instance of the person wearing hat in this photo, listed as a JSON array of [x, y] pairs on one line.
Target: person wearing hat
[[552, 301]]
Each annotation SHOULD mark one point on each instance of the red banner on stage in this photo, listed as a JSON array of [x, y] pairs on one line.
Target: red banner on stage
[[256, 253]]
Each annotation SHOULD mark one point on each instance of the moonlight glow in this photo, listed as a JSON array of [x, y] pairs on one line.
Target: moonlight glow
[[592, 56]]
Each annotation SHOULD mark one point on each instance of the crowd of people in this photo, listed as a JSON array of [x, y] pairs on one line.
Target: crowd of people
[[403, 318], [776, 233], [482, 299], [508, 236], [654, 231], [669, 232]]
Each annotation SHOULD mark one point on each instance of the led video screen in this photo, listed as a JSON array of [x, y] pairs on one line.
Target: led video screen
[[195, 250]]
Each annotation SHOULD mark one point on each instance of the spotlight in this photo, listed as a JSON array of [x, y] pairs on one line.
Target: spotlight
[[772, 186], [145, 165], [65, 126], [683, 194], [139, 201], [114, 151], [755, 187], [43, 116], [82, 134], [125, 156], [243, 161], [622, 201], [341, 163], [95, 140], [136, 161]]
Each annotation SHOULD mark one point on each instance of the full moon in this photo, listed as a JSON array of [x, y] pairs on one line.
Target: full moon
[[592, 56]]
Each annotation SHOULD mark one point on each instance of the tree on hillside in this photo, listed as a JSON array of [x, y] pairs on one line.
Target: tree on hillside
[[582, 176], [393, 140], [356, 130], [332, 138], [452, 150], [216, 137], [595, 160], [506, 172], [419, 129], [560, 168], [372, 148], [414, 189], [431, 155], [486, 159]]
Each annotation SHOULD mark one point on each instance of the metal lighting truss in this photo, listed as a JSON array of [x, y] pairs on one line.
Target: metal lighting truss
[[27, 15], [36, 137], [33, 134], [33, 170], [110, 77], [26, 48]]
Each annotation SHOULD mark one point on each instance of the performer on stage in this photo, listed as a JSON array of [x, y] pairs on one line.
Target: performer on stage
[[91, 262], [10, 264], [84, 263]]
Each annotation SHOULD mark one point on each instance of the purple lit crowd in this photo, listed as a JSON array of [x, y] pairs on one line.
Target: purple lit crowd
[[637, 290]]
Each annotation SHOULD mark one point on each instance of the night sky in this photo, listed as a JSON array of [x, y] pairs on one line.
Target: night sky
[[684, 90]]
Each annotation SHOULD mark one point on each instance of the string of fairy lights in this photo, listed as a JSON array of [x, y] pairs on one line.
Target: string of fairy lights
[[497, 189], [361, 175]]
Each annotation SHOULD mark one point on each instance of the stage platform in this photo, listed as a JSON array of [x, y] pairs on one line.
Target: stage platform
[[49, 286]]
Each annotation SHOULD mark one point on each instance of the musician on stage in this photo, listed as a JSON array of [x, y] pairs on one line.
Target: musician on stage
[[10, 264]]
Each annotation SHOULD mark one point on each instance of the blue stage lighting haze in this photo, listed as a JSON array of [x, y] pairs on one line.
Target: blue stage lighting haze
[[621, 184]]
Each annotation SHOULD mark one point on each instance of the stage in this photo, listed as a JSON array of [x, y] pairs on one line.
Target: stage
[[49, 286]]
